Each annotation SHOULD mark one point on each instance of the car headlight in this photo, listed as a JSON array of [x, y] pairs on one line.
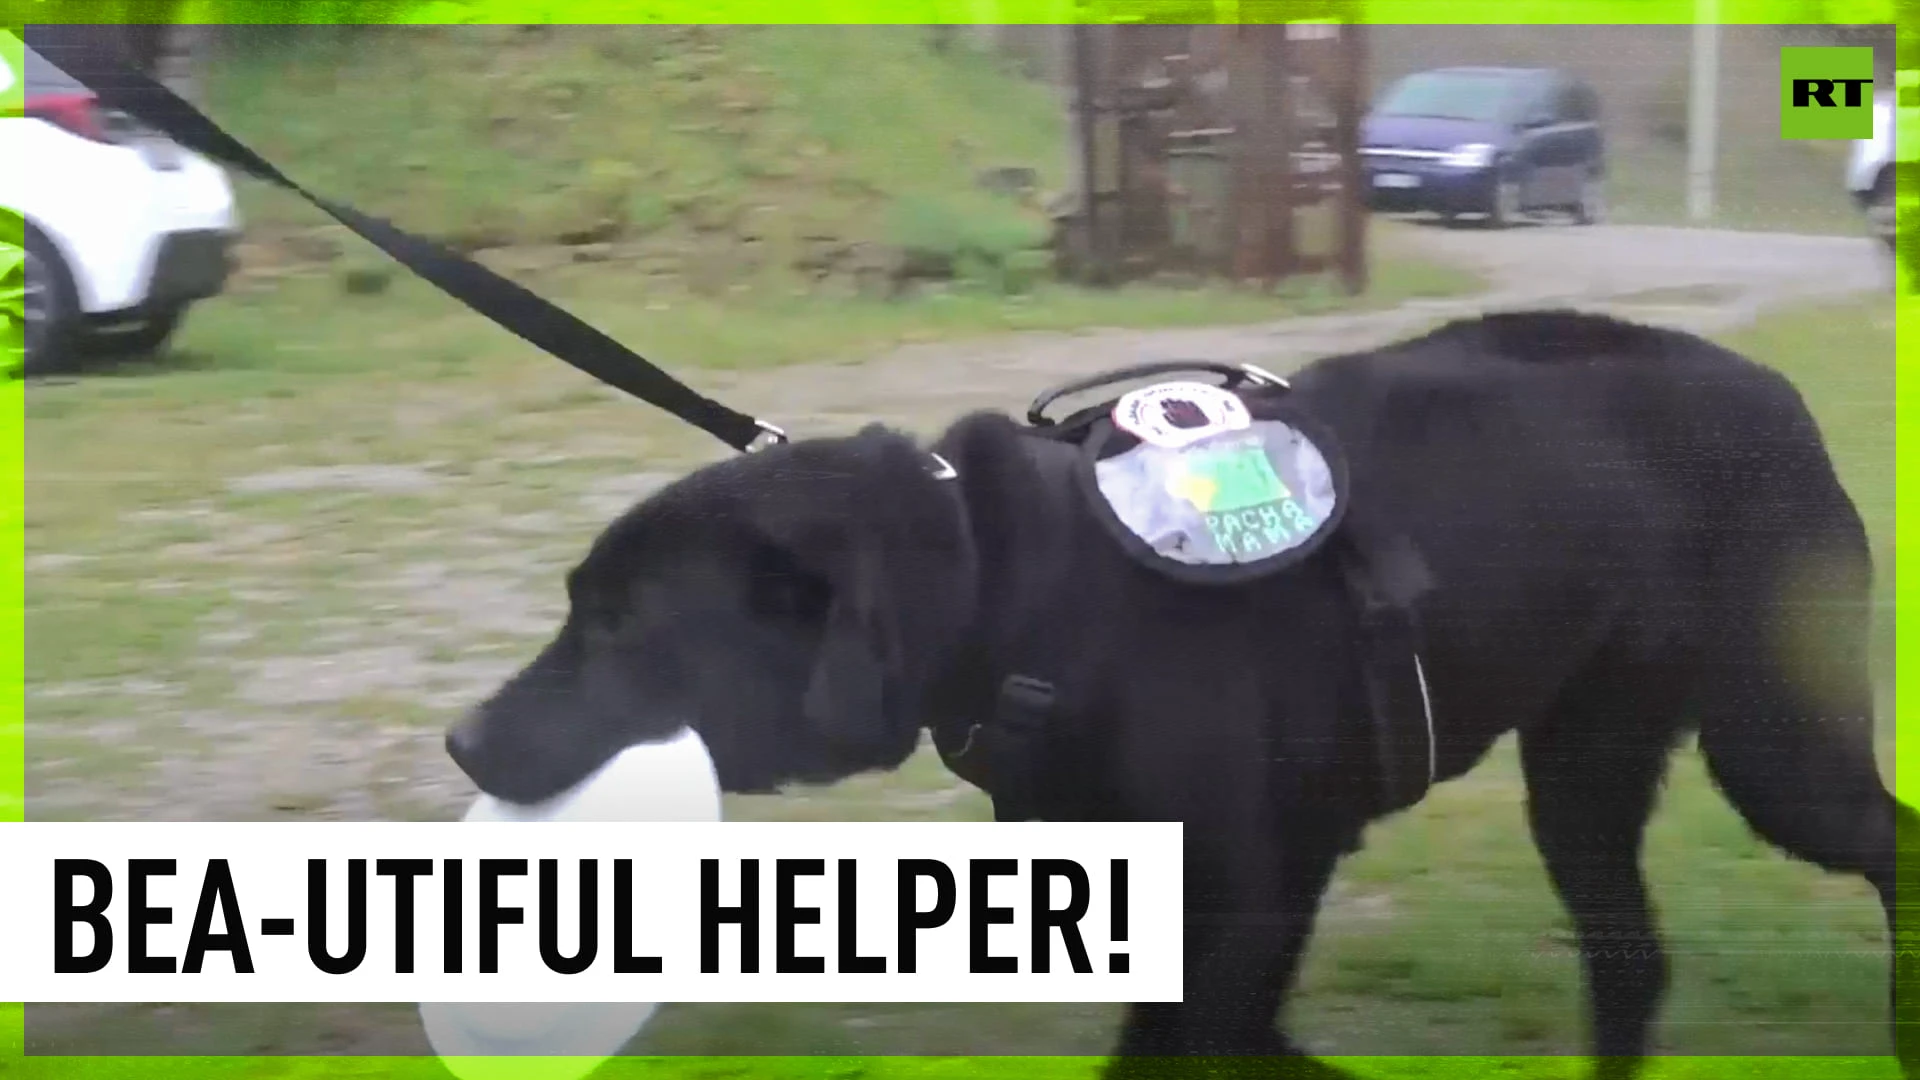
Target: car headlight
[[1469, 156]]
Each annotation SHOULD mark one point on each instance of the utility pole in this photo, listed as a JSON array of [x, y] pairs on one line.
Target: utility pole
[[1703, 110]]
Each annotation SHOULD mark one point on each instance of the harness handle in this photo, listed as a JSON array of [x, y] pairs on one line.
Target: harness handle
[[1232, 374]]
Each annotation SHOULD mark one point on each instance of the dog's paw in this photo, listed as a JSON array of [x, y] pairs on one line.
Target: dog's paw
[[1619, 1068]]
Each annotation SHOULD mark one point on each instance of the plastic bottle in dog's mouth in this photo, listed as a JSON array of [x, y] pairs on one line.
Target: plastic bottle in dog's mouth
[[669, 780]]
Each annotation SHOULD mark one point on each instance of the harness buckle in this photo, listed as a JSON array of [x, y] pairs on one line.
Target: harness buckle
[[1026, 693], [1016, 739]]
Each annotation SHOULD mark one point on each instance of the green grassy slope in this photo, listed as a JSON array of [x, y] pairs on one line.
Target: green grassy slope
[[715, 153]]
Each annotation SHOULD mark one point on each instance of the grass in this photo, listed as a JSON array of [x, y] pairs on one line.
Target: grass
[[453, 126], [1763, 182], [940, 1068], [218, 629], [719, 154]]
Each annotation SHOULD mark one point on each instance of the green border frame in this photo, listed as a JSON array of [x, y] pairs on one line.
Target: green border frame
[[1904, 13], [13, 731]]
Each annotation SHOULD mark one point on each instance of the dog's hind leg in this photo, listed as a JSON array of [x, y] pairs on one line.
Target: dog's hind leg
[[1786, 710], [1593, 768]]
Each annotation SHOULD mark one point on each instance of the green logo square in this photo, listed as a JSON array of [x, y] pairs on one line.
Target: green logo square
[[1240, 478], [1826, 92]]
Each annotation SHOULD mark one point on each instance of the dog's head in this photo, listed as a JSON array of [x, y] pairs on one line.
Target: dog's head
[[791, 606]]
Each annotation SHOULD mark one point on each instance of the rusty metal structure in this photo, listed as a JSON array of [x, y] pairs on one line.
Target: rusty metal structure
[[1218, 150]]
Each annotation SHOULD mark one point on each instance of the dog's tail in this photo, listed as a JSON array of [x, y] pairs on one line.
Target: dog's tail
[[1785, 706], [1786, 693], [1785, 703]]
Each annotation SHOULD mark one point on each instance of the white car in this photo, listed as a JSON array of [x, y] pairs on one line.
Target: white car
[[1871, 164], [125, 229]]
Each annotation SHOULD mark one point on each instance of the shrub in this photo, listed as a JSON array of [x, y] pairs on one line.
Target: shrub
[[975, 239]]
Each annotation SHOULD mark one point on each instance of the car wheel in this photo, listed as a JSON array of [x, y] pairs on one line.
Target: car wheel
[[1592, 207], [142, 337], [1504, 210], [50, 307]]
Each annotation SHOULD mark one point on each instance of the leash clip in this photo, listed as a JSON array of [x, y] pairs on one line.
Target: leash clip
[[769, 436]]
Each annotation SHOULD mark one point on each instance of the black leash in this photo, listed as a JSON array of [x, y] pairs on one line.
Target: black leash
[[541, 323]]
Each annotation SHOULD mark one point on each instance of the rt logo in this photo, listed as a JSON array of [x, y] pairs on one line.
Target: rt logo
[[1826, 92]]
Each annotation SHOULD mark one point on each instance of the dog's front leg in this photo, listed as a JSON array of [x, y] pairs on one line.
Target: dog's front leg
[[1245, 936], [1224, 1029]]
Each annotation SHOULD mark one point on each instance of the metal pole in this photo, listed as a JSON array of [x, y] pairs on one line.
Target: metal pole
[[1283, 243], [1703, 113], [1353, 211], [1093, 235]]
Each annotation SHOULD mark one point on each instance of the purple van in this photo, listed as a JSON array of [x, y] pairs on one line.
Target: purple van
[[1494, 142]]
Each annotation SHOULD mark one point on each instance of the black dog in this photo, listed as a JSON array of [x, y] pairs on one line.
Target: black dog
[[1625, 534]]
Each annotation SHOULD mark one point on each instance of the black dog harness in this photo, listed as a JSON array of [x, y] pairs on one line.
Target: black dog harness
[[1212, 485]]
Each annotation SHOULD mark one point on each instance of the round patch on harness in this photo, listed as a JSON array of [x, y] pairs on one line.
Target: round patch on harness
[[1177, 414], [1199, 485]]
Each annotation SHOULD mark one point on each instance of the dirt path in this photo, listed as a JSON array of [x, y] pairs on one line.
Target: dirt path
[[1696, 279]]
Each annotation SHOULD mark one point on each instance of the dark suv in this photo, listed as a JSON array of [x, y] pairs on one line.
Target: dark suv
[[1493, 141]]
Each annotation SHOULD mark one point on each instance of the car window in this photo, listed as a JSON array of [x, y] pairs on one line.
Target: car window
[[1541, 105], [1449, 95], [1575, 104]]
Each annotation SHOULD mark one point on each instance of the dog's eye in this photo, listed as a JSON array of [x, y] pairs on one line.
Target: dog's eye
[[595, 623], [592, 610]]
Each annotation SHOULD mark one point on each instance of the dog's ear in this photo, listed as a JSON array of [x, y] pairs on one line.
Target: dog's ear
[[847, 700], [891, 540]]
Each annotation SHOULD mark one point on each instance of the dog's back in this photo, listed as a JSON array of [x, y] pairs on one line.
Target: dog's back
[[1579, 484], [1606, 425]]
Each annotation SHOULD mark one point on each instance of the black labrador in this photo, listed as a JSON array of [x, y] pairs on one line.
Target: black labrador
[[1624, 534]]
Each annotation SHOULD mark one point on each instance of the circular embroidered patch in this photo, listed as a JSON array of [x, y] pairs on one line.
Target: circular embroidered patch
[[1193, 482], [1177, 414]]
